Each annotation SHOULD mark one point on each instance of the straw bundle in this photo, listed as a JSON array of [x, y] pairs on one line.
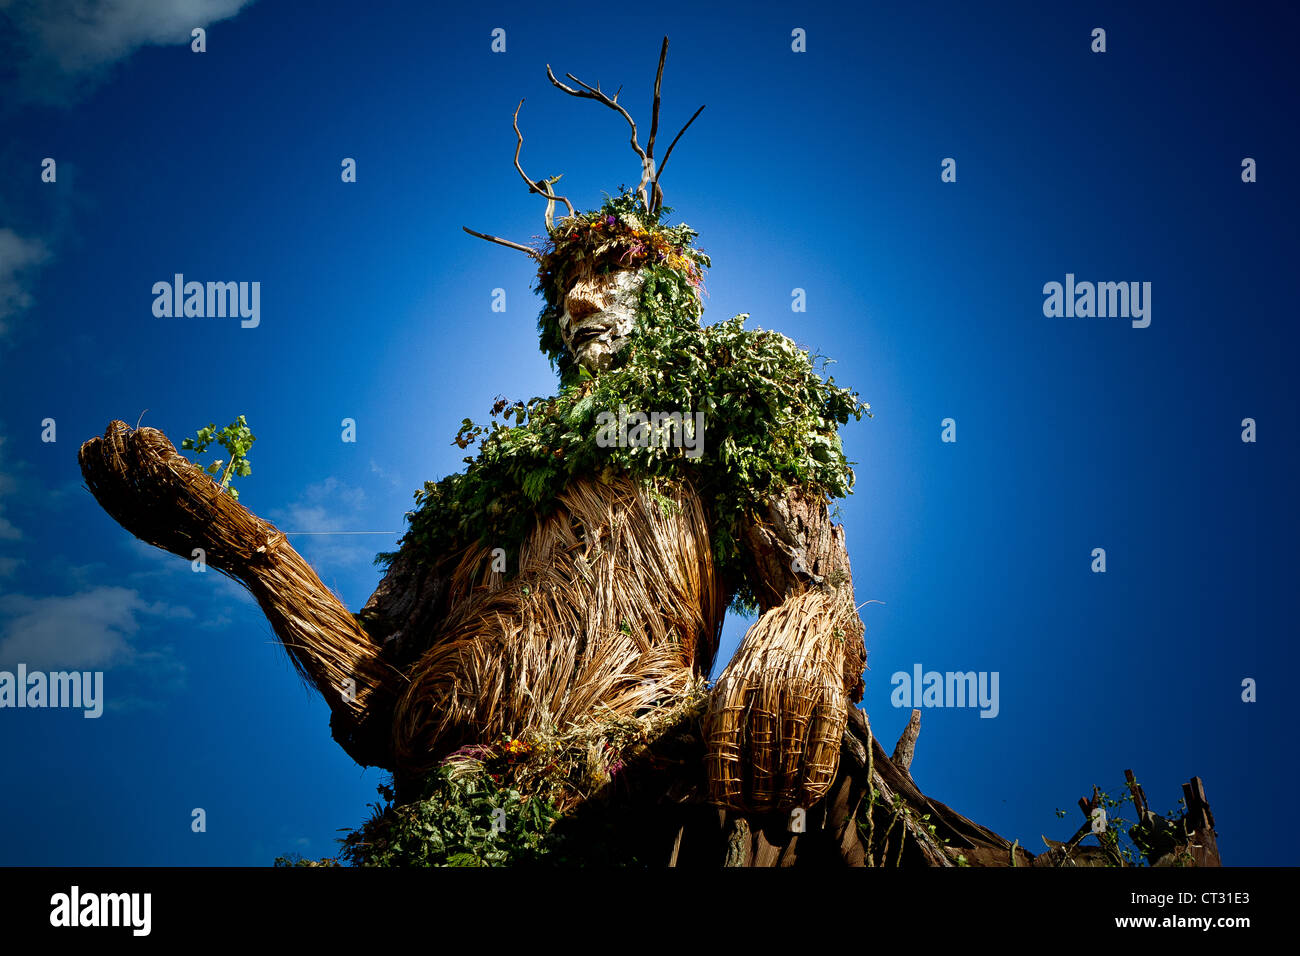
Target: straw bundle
[[164, 499], [615, 607], [779, 710]]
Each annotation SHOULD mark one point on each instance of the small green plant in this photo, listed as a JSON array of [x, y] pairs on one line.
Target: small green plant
[[1127, 842], [236, 439], [465, 818]]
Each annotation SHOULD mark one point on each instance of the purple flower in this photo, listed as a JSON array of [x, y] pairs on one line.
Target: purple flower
[[609, 220], [473, 751]]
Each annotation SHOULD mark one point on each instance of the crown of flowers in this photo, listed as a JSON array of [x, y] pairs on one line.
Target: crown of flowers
[[618, 235]]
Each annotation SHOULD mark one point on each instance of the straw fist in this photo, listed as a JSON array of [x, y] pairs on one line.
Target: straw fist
[[779, 710], [158, 495]]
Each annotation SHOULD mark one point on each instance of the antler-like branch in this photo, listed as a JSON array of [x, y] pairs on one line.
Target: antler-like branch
[[659, 193], [504, 242], [654, 113], [651, 195], [536, 187], [595, 93]]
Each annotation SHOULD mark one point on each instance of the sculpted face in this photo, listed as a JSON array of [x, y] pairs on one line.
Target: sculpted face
[[599, 316]]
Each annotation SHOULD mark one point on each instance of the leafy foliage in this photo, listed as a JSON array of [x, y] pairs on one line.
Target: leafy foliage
[[466, 817], [236, 439], [770, 420], [296, 860], [1127, 842]]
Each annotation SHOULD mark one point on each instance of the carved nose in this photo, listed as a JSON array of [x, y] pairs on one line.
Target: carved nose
[[584, 299]]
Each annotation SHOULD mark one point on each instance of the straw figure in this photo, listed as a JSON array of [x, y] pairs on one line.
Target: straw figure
[[554, 610]]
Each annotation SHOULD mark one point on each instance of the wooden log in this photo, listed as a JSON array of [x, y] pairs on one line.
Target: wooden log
[[906, 746]]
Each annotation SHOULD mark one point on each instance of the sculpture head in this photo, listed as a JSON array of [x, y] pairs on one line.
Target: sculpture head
[[594, 267], [593, 273]]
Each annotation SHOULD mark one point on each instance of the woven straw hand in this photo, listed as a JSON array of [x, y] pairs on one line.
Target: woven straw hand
[[779, 710], [161, 497]]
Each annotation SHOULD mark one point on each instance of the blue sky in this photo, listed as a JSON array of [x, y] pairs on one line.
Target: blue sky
[[817, 170]]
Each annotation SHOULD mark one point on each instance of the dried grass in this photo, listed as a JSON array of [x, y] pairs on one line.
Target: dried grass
[[615, 607], [570, 765]]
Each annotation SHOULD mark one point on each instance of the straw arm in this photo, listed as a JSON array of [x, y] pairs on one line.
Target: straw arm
[[162, 498], [794, 547], [779, 710]]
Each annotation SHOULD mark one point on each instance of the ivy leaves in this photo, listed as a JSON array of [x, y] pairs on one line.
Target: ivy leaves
[[236, 438], [464, 819]]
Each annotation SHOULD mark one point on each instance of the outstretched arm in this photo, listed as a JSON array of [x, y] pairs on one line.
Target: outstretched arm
[[779, 710], [164, 499]]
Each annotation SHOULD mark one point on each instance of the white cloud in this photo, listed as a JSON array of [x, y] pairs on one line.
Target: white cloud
[[19, 259], [90, 629], [328, 506], [8, 531], [64, 46], [212, 593], [384, 473]]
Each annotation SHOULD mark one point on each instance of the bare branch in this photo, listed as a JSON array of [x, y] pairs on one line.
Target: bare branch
[[549, 191], [652, 195], [664, 163], [505, 242], [654, 113], [595, 93]]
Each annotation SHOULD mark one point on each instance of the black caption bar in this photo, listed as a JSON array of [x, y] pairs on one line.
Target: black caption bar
[[331, 905]]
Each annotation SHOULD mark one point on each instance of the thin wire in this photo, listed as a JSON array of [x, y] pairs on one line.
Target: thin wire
[[339, 532]]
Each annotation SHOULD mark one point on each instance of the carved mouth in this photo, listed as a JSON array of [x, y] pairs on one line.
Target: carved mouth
[[587, 334]]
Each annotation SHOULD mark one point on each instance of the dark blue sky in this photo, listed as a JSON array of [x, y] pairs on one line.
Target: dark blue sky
[[817, 170]]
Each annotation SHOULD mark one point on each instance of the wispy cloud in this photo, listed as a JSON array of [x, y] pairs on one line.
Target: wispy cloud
[[329, 506], [61, 49], [391, 477], [19, 259], [8, 530], [212, 594], [89, 629]]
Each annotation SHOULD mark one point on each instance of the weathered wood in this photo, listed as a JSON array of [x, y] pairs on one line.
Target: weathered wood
[[906, 746]]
